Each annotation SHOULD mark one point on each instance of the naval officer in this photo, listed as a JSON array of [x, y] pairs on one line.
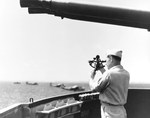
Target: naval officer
[[112, 86]]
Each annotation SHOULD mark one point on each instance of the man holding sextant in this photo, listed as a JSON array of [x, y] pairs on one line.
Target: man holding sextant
[[112, 86]]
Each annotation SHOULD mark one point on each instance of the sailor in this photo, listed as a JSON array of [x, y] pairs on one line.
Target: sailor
[[112, 86]]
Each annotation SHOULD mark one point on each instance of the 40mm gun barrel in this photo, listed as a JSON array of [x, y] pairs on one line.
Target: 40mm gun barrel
[[89, 12]]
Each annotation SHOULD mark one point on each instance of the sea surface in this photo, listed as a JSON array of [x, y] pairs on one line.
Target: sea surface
[[11, 93]]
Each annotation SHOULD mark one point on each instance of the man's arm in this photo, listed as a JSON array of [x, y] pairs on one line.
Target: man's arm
[[93, 73], [101, 84], [101, 69], [94, 83]]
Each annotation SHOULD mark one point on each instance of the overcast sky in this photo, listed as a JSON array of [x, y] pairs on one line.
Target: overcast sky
[[47, 48]]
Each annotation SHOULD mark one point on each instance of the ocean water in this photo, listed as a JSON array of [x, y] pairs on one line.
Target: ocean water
[[11, 93]]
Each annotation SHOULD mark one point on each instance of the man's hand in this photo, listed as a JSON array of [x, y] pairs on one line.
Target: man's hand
[[98, 66]]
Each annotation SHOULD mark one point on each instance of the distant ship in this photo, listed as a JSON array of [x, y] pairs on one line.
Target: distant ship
[[70, 88], [30, 83], [58, 85], [17, 82], [74, 88]]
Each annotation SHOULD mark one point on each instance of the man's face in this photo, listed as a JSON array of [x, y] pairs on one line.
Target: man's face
[[108, 61]]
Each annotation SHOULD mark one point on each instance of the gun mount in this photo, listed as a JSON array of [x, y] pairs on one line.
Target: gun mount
[[89, 12]]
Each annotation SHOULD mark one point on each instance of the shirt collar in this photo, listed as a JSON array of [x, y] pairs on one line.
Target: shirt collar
[[117, 66]]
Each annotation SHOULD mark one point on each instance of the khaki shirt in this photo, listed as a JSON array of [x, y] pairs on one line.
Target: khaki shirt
[[113, 85]]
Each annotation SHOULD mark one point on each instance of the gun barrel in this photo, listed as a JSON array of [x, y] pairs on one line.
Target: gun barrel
[[90, 12], [39, 11]]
